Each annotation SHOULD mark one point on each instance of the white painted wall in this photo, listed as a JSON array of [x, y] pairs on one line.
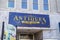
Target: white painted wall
[[50, 34], [58, 5], [52, 12]]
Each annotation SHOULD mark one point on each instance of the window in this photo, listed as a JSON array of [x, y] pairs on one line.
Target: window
[[35, 4], [11, 3], [45, 4], [24, 4], [26, 36]]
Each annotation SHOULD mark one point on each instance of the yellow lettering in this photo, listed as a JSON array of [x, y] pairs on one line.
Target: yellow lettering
[[43, 21], [24, 18], [20, 18], [36, 19], [39, 19], [16, 18], [33, 18], [29, 18]]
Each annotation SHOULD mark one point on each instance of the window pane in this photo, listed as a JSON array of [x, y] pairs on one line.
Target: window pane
[[11, 3], [45, 4], [24, 5], [24, 0], [35, 1], [35, 6], [11, 0], [45, 1], [26, 36]]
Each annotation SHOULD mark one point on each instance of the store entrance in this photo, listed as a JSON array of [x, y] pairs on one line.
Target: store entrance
[[26, 37], [29, 34]]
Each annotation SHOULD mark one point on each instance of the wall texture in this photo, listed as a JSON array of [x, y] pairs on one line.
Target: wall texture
[[50, 34]]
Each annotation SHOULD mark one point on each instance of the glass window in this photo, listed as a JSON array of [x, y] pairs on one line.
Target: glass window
[[35, 1], [45, 4], [24, 4], [26, 36], [35, 4], [11, 3]]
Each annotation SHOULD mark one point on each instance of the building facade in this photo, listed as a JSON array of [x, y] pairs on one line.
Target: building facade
[[44, 7]]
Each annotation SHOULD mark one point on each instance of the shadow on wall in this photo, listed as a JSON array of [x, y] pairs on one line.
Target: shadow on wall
[[38, 35]]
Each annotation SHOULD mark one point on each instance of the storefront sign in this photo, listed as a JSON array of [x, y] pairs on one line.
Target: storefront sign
[[29, 20]]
